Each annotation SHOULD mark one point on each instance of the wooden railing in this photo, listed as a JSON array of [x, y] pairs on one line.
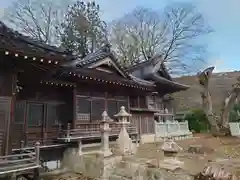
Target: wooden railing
[[48, 138], [93, 130], [24, 160]]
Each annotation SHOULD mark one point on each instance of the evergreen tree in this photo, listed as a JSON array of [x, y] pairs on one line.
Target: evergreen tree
[[83, 30]]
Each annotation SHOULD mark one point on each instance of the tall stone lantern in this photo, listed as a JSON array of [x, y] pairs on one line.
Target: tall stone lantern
[[105, 130], [125, 144]]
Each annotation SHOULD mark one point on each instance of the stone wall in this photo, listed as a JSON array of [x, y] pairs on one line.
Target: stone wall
[[220, 85]]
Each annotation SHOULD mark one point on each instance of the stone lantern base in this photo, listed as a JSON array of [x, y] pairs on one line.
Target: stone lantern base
[[125, 144]]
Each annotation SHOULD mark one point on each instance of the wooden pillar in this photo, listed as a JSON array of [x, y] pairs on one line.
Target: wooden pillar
[[68, 130], [129, 103], [36, 174], [138, 102], [74, 107], [106, 104], [25, 124], [22, 144]]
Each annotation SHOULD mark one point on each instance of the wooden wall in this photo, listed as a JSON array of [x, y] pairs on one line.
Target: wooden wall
[[6, 83], [6, 92], [144, 121], [91, 102], [39, 112]]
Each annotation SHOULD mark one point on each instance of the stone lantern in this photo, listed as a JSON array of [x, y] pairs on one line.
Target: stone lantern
[[104, 126], [125, 144], [170, 150], [123, 116]]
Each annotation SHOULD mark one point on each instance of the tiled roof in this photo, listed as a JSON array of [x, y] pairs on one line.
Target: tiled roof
[[101, 53], [16, 42]]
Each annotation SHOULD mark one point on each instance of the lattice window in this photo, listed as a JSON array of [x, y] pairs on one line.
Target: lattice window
[[35, 114], [20, 112], [83, 105], [98, 106], [52, 114], [142, 102], [83, 109], [151, 125], [1, 84], [112, 108], [134, 101]]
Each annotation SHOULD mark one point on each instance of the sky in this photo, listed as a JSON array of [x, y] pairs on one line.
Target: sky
[[223, 16]]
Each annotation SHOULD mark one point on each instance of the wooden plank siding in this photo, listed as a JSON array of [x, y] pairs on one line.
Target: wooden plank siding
[[142, 116], [2, 132], [39, 113], [144, 122], [5, 115], [90, 105], [7, 91], [36, 122]]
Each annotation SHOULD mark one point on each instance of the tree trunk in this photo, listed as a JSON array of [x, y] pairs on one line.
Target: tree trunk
[[228, 105], [203, 79], [218, 126]]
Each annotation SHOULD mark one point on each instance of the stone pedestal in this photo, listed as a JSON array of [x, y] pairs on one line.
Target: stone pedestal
[[124, 142], [105, 135]]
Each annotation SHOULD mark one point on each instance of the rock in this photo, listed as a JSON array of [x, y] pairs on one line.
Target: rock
[[141, 171], [171, 146], [199, 149], [214, 172], [101, 167]]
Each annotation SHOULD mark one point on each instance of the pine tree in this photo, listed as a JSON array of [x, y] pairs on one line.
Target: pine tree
[[83, 30]]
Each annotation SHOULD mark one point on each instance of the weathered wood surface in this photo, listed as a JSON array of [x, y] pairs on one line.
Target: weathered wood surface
[[26, 160], [88, 131]]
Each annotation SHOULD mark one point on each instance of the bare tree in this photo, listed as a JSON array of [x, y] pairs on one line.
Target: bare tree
[[174, 34], [37, 18], [219, 125]]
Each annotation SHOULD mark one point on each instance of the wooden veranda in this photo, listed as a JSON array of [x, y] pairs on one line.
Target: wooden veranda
[[25, 160], [91, 131]]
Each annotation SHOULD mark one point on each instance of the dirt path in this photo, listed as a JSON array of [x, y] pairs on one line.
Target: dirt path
[[225, 150]]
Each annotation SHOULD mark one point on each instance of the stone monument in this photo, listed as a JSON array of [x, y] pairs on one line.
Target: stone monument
[[124, 142]]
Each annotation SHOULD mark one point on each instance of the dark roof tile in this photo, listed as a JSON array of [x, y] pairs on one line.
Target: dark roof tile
[[14, 41]]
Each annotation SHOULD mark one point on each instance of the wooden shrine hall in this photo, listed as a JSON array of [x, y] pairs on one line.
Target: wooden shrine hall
[[45, 90]]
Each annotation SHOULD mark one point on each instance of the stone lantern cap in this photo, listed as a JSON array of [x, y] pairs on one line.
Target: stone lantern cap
[[171, 146], [122, 113], [105, 117]]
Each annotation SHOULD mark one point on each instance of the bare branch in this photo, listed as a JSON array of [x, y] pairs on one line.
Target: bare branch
[[174, 35], [37, 19]]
